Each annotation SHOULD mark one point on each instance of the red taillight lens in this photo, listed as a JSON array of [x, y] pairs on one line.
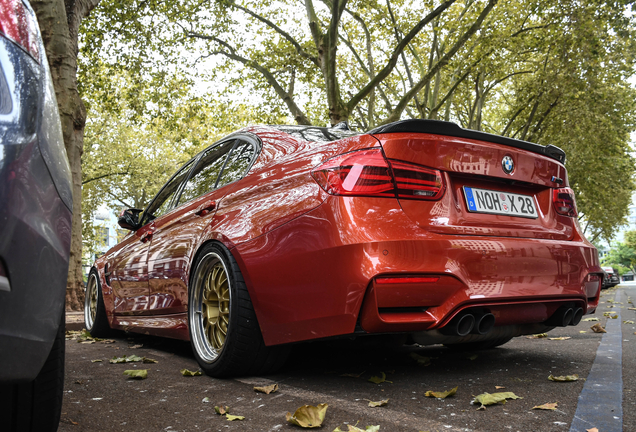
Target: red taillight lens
[[367, 173], [17, 24], [564, 203], [415, 181], [405, 280]]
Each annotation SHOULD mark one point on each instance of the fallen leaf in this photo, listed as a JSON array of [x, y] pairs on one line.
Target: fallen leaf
[[378, 403], [591, 319], [538, 336], [591, 430], [206, 399], [189, 373], [547, 406], [267, 389], [221, 410], [582, 331], [609, 314], [598, 328], [631, 308], [421, 360], [628, 322], [231, 417], [137, 373], [357, 429], [135, 346], [560, 338], [379, 380], [96, 361], [494, 398], [441, 395], [308, 416], [564, 378], [352, 375], [499, 387], [126, 359], [149, 360]]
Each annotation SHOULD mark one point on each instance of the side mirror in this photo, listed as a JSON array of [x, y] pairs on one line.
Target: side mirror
[[129, 219]]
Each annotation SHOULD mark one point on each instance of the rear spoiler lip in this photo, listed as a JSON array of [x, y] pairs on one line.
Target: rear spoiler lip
[[439, 127]]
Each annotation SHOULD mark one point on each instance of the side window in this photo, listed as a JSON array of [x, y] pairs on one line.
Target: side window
[[206, 173], [238, 163], [164, 201]]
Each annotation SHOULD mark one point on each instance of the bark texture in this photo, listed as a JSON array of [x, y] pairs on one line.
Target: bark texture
[[59, 24]]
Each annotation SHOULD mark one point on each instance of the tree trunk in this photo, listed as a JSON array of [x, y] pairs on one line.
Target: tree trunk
[[59, 23]]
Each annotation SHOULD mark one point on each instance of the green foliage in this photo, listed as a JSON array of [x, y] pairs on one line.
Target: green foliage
[[623, 255]]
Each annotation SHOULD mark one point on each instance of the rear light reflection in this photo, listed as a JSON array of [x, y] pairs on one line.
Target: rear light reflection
[[368, 173], [405, 280], [18, 25], [564, 202]]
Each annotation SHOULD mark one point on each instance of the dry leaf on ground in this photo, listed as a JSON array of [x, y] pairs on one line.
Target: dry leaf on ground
[[591, 319], [379, 380], [598, 328], [126, 359], [564, 378], [96, 361], [499, 387], [538, 336], [267, 389], [441, 395], [378, 403], [493, 398], [231, 417], [547, 406], [421, 360], [357, 429], [560, 338], [189, 373], [628, 322], [137, 373], [591, 430], [308, 416], [221, 410]]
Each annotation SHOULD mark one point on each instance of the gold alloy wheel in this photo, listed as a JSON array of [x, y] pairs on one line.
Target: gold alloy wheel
[[209, 307], [215, 306], [90, 303]]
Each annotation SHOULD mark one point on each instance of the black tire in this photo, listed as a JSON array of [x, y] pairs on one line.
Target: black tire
[[477, 346], [232, 344], [95, 319], [36, 406]]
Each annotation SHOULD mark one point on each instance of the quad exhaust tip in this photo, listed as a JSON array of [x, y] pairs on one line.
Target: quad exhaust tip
[[476, 322], [565, 316]]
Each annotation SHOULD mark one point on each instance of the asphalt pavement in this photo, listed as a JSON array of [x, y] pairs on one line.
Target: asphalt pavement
[[99, 397]]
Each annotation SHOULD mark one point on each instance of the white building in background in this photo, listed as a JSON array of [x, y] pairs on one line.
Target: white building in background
[[631, 221], [108, 234]]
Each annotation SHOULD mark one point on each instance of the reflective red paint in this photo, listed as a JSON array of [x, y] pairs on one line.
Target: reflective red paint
[[316, 265]]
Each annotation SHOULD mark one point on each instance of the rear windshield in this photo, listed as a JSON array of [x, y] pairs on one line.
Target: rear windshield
[[315, 133]]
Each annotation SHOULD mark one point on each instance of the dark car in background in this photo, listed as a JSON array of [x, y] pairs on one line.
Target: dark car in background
[[35, 229], [610, 278]]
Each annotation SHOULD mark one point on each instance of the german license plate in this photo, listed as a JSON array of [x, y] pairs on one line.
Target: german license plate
[[501, 203]]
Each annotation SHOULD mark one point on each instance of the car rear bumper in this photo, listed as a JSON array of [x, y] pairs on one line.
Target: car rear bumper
[[316, 276]]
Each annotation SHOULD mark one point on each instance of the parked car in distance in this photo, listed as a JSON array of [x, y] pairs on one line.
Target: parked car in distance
[[282, 234], [35, 229], [610, 278]]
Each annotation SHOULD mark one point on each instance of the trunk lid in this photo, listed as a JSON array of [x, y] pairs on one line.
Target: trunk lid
[[477, 184]]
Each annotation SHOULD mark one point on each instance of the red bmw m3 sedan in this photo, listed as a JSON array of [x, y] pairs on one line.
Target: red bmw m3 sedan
[[281, 234]]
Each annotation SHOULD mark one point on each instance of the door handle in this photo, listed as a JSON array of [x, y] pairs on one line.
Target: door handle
[[205, 208]]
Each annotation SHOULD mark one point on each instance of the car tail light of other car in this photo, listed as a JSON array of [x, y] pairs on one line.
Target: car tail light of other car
[[564, 203], [19, 25], [369, 173]]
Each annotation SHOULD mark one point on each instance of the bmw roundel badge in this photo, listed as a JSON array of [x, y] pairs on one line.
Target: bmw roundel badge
[[507, 164]]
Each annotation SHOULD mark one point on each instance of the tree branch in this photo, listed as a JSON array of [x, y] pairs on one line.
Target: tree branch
[[396, 54], [395, 115], [103, 176]]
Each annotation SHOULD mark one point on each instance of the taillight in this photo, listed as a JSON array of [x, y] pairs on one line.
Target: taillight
[[18, 24], [564, 203], [368, 173]]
